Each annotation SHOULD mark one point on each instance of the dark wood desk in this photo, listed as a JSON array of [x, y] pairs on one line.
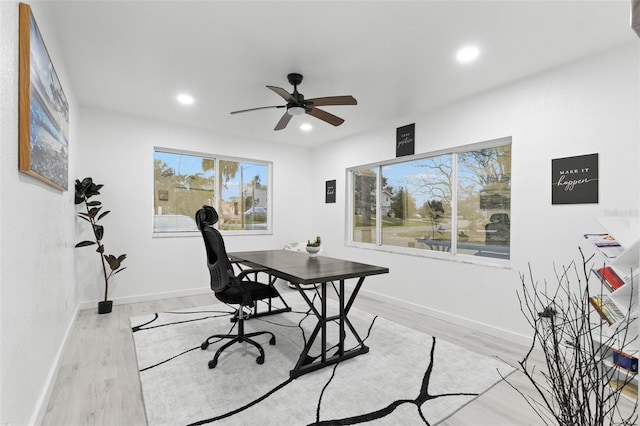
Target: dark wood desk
[[299, 268]]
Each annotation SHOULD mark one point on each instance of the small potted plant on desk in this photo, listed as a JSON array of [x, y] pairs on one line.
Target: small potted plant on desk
[[85, 190], [313, 247]]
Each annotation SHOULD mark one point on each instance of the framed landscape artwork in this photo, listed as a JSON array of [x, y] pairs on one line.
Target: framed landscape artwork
[[43, 109]]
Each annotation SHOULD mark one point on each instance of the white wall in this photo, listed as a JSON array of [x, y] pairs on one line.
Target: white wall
[[37, 296], [591, 106], [117, 151]]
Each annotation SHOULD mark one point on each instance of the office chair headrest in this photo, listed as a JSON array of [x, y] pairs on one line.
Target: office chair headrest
[[207, 215]]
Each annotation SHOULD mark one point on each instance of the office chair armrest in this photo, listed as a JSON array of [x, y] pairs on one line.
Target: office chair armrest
[[236, 281], [241, 276]]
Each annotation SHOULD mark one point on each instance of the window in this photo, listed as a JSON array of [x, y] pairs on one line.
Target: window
[[184, 182], [364, 205], [456, 203]]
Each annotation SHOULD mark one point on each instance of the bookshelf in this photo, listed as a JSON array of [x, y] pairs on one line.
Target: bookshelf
[[615, 301]]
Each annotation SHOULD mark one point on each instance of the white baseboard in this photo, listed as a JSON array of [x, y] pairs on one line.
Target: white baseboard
[[454, 319], [43, 401], [89, 304]]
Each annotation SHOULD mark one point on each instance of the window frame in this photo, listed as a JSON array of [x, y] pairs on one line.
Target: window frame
[[453, 255], [217, 195]]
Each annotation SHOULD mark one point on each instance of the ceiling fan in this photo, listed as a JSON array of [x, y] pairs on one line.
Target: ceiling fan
[[297, 105]]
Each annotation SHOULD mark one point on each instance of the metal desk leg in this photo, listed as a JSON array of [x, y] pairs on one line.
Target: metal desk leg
[[306, 363]]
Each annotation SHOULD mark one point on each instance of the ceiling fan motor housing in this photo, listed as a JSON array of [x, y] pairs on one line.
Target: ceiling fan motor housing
[[294, 78]]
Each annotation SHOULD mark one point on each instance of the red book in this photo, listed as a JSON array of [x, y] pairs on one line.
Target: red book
[[612, 278]]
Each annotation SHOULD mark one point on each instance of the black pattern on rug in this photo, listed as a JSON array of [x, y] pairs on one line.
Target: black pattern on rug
[[326, 384], [423, 396]]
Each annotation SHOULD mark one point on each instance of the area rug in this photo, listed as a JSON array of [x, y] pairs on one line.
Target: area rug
[[407, 378]]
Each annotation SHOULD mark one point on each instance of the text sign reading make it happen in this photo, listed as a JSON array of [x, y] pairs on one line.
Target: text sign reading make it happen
[[574, 180], [405, 140]]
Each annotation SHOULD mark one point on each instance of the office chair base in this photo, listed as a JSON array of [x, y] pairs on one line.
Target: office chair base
[[249, 315], [237, 339]]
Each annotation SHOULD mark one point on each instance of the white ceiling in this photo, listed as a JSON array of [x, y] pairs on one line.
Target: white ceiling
[[397, 58]]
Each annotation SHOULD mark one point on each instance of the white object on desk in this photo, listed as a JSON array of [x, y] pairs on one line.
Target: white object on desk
[[301, 247]]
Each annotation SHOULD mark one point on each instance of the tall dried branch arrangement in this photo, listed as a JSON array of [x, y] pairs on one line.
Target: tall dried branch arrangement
[[572, 388]]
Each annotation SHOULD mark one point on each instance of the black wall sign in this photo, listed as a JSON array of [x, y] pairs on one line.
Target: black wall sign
[[574, 180], [405, 140], [330, 191]]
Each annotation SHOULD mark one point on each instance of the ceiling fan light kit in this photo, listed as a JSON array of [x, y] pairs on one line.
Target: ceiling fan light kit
[[296, 110], [297, 105]]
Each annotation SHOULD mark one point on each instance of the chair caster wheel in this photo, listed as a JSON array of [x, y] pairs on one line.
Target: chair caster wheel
[[260, 360], [272, 341], [212, 363], [204, 345]]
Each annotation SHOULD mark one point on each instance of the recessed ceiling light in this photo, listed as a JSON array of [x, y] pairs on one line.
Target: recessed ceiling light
[[185, 99], [305, 127], [467, 54]]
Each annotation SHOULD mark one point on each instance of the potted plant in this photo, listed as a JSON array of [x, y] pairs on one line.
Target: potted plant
[[313, 247], [84, 190]]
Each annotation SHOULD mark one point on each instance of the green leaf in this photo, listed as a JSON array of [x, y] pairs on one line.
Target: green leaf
[[93, 190], [85, 243], [79, 195], [86, 183], [114, 262], [119, 270], [98, 230], [93, 211], [94, 203], [100, 249], [103, 215]]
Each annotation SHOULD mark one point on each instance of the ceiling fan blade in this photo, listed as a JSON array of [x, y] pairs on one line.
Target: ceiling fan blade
[[283, 121], [333, 100], [325, 116], [255, 109], [283, 93]]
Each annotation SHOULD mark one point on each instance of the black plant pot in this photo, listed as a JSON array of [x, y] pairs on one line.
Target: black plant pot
[[105, 306]]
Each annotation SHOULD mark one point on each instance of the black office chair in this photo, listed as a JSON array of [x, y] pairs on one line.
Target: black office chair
[[229, 288]]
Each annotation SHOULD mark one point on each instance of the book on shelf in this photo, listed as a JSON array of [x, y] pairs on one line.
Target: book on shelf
[[606, 244], [625, 361], [606, 308], [609, 278], [630, 390]]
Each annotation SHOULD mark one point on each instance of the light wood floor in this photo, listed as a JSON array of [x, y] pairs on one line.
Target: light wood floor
[[98, 380]]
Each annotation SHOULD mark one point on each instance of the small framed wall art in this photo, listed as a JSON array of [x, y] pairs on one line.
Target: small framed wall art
[[43, 110], [574, 180], [405, 140], [330, 191]]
